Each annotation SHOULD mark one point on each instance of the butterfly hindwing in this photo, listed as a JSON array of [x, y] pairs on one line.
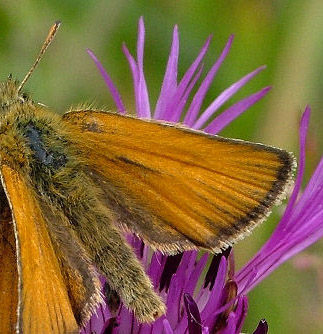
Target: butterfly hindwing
[[175, 187]]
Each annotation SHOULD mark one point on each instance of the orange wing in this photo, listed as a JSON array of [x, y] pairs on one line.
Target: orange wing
[[44, 305], [175, 187], [8, 270]]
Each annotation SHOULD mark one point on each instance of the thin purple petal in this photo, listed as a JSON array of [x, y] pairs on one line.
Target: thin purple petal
[[156, 268], [200, 94], [311, 200], [127, 321], [178, 110], [301, 165], [158, 325], [174, 300], [141, 42], [230, 327], [97, 321], [186, 266], [205, 330], [241, 312], [312, 197], [207, 300], [112, 88], [137, 245], [143, 99], [193, 315], [141, 92], [246, 281], [313, 234], [169, 84], [184, 83], [272, 259], [195, 275], [143, 329], [167, 328], [223, 97], [227, 116], [214, 299], [135, 77], [177, 286]]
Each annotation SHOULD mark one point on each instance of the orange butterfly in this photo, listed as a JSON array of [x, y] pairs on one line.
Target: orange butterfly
[[71, 183]]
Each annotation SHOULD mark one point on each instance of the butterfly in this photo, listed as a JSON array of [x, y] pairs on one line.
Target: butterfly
[[72, 184]]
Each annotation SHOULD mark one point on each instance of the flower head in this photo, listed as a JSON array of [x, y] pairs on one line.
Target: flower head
[[211, 308], [217, 303]]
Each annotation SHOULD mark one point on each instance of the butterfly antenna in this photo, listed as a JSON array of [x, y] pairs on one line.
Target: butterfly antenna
[[48, 40]]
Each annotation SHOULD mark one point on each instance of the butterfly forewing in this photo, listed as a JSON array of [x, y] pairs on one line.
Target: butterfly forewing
[[9, 273], [43, 294], [175, 187]]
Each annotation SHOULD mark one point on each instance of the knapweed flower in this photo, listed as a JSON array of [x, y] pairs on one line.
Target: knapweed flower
[[300, 226], [214, 307], [213, 302], [172, 101]]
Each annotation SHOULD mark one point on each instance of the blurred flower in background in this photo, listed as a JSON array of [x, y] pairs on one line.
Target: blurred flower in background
[[213, 302]]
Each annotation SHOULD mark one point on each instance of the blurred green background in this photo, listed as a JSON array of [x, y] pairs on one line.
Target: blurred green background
[[286, 35]]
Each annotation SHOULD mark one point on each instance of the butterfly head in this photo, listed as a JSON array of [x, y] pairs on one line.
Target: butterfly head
[[10, 96]]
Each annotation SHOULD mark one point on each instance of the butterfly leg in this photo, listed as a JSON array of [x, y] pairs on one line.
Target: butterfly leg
[[126, 275], [113, 256]]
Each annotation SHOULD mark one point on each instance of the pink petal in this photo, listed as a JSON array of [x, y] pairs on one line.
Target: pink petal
[[200, 94], [227, 116], [223, 97], [169, 84], [112, 88]]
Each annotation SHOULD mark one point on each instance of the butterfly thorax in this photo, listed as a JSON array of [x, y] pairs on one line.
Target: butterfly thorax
[[29, 132]]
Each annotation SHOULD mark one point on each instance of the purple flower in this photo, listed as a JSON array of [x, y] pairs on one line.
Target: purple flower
[[172, 101], [214, 308], [220, 304], [300, 226]]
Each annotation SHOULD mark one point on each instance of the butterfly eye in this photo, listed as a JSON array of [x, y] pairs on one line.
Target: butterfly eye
[[23, 98]]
